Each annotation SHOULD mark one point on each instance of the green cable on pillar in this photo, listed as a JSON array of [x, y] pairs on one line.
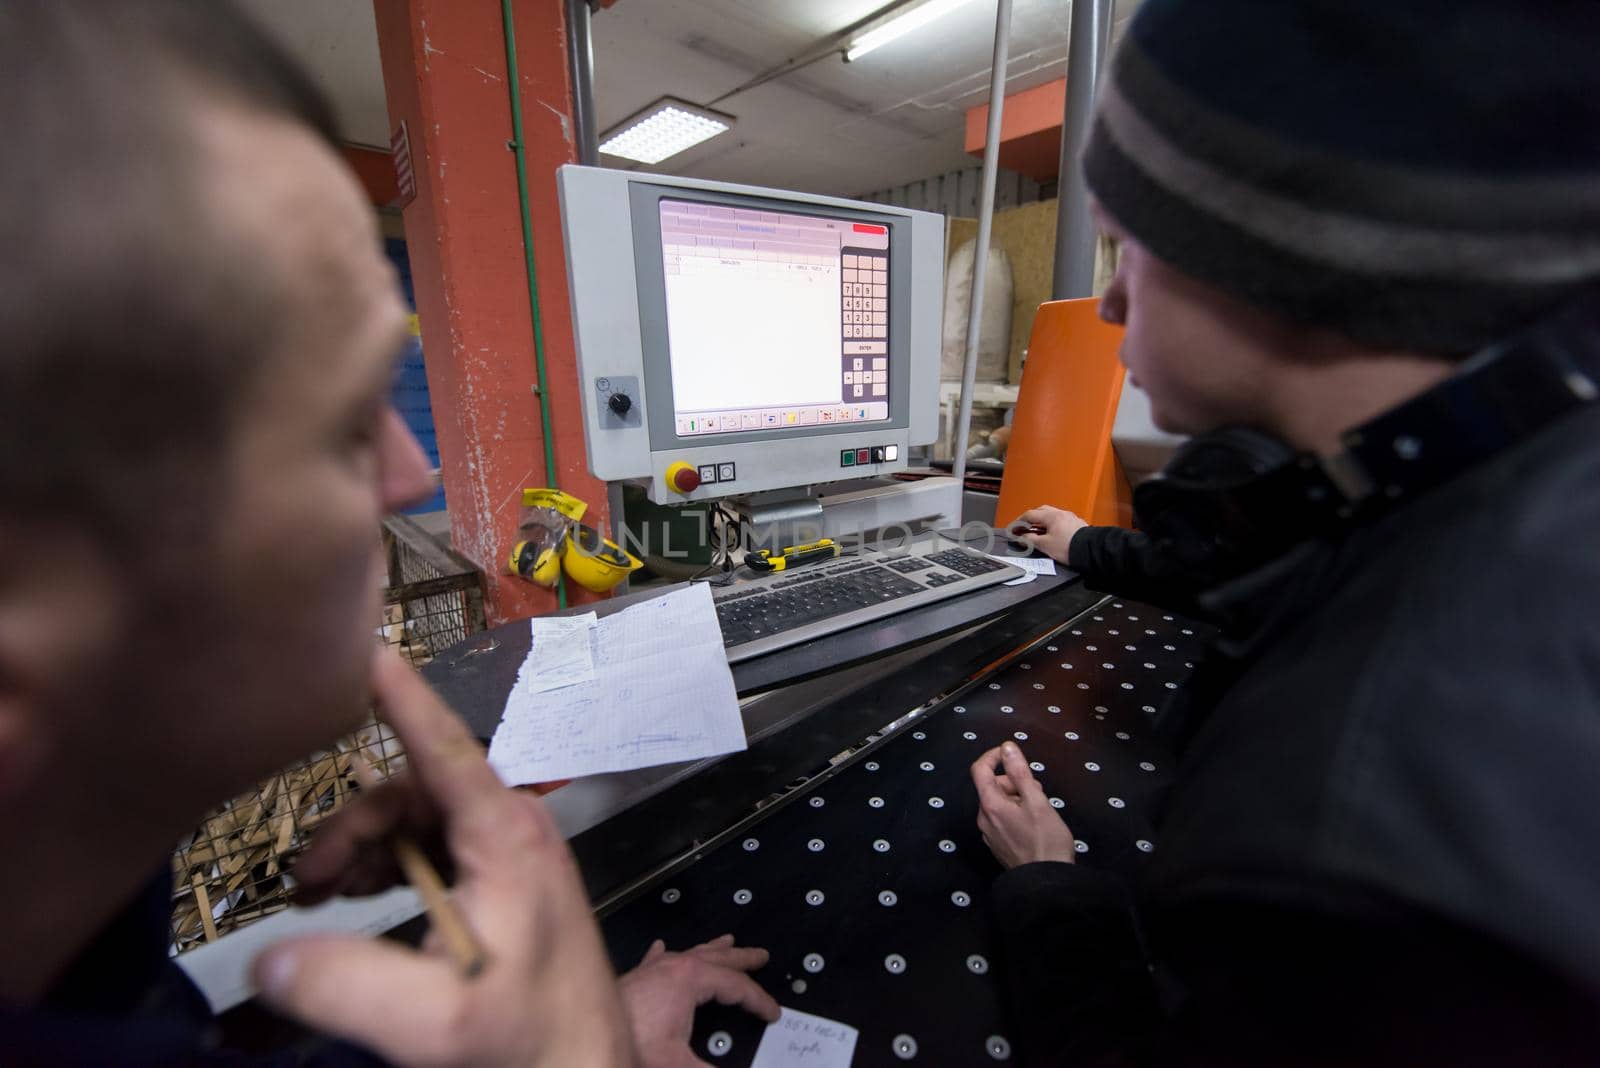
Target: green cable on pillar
[[514, 83]]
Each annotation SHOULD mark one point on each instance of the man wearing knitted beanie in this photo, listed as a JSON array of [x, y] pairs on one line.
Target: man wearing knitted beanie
[[1361, 265]]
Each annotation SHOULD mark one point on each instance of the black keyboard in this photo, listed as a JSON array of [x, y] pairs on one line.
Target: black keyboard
[[783, 609]]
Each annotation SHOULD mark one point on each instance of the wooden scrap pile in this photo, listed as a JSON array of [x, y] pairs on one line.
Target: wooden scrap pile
[[234, 868], [409, 635]]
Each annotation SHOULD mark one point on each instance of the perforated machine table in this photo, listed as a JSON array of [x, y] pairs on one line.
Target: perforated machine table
[[869, 884], [970, 674]]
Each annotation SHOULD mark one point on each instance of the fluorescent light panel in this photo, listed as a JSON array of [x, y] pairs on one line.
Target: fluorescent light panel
[[662, 130], [899, 26]]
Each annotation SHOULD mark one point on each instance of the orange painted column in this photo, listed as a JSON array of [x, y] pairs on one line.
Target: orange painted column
[[444, 72], [376, 172]]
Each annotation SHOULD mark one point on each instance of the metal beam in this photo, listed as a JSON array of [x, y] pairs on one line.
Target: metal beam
[[980, 254], [580, 71], [1075, 230]]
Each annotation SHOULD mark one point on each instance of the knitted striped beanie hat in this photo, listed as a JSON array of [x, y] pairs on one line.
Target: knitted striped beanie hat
[[1417, 174]]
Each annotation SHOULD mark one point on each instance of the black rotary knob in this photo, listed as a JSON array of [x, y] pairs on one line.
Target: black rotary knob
[[620, 403]]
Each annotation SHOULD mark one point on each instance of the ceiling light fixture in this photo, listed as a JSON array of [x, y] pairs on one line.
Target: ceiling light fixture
[[899, 26], [662, 130]]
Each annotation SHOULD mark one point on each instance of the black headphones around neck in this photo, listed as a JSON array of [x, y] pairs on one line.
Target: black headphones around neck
[[1236, 497]]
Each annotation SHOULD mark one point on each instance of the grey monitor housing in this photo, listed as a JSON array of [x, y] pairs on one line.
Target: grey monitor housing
[[645, 405]]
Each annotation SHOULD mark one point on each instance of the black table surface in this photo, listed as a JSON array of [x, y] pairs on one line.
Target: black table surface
[[1072, 675], [475, 676], [869, 884], [622, 858]]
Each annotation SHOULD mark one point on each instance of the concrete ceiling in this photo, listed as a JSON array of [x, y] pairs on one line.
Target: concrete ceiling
[[893, 116], [337, 42]]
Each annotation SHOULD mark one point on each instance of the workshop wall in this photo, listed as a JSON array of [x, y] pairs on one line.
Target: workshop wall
[[1028, 234]]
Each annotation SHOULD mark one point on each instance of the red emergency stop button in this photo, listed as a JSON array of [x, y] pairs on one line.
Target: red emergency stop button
[[682, 478]]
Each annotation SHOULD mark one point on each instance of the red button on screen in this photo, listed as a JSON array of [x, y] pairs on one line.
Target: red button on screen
[[868, 228]]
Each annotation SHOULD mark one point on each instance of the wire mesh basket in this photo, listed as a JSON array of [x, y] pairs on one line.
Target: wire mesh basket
[[233, 869], [434, 597]]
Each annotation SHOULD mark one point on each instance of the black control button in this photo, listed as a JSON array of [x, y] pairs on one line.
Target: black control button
[[620, 403]]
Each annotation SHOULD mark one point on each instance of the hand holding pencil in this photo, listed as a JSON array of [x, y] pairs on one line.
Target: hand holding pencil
[[453, 931], [544, 992]]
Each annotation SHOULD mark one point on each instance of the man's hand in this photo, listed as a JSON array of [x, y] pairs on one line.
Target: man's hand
[[547, 995], [352, 853], [661, 994], [1016, 819], [1059, 527]]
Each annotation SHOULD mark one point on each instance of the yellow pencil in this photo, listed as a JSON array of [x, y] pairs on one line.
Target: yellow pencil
[[459, 940]]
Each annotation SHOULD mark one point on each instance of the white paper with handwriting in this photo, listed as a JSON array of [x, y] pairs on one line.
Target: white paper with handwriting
[[1033, 565], [800, 1039], [660, 692]]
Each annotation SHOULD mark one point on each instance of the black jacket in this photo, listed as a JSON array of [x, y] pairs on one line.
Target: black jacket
[[123, 1002], [1383, 843]]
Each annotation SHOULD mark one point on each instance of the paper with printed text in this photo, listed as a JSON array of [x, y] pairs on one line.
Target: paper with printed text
[[562, 653], [1033, 565]]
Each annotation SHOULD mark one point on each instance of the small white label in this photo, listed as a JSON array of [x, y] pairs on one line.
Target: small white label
[[798, 1038]]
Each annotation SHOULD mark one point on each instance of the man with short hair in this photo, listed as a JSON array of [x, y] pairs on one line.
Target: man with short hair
[[1360, 262], [196, 451]]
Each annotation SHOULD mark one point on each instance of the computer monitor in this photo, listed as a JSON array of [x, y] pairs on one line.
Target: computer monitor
[[733, 339]]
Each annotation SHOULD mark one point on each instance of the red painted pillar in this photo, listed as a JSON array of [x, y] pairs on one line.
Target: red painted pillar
[[444, 73]]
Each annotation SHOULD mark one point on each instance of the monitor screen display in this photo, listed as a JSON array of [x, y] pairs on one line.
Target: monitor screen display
[[774, 320]]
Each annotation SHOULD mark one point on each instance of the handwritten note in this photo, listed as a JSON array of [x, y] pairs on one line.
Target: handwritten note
[[660, 693], [1033, 565], [798, 1038], [562, 653]]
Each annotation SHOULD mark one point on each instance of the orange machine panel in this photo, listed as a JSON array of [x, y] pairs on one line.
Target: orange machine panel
[[1060, 452]]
